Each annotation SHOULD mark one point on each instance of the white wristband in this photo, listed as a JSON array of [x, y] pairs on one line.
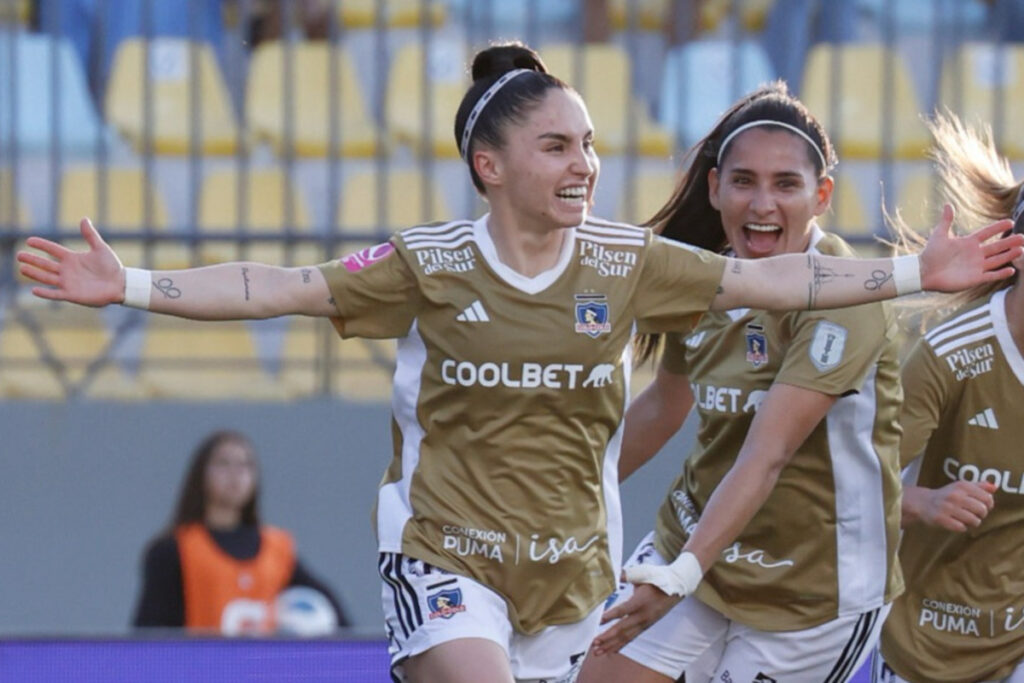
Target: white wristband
[[138, 286], [906, 274], [679, 578]]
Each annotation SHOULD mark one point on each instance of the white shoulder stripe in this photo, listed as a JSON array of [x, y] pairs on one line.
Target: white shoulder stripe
[[437, 244], [457, 236], [964, 341], [436, 229], [963, 328], [607, 228], [618, 241], [963, 317]]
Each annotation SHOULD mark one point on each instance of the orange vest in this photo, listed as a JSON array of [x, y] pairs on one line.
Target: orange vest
[[232, 596]]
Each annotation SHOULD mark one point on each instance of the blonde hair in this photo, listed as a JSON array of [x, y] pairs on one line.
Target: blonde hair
[[977, 180]]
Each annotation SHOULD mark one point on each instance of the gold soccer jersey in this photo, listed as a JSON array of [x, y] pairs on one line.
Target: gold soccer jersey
[[509, 395], [824, 543], [962, 618]]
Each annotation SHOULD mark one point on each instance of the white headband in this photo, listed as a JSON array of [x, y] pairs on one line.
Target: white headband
[[481, 103], [769, 122]]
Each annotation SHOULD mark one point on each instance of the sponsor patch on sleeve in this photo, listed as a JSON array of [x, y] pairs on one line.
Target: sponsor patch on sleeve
[[827, 345], [367, 257]]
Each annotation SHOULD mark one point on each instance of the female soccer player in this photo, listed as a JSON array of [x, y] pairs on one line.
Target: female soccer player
[[790, 497], [498, 520], [218, 568], [961, 616]]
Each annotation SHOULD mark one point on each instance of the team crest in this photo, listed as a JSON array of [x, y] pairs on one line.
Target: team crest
[[446, 603], [757, 346], [592, 315]]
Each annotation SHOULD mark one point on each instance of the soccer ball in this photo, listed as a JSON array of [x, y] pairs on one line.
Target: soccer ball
[[303, 611]]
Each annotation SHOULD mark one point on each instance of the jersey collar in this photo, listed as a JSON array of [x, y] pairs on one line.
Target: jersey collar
[[529, 285], [997, 309]]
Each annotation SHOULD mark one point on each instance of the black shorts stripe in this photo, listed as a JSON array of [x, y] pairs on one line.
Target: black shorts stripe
[[387, 562], [854, 647], [412, 593]]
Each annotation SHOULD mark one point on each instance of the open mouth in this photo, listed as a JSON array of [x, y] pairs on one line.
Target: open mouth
[[576, 196], [762, 238]]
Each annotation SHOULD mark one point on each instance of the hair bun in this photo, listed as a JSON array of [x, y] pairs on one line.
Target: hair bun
[[496, 60]]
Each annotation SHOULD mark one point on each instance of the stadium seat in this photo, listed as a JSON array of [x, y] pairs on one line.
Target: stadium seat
[[984, 84], [644, 15], [204, 361], [364, 369], [307, 93], [15, 11], [751, 13], [169, 111], [702, 79], [918, 202], [403, 204], [858, 75], [26, 91], [265, 212], [24, 374], [601, 73], [847, 215], [645, 195], [446, 80], [397, 13], [123, 211], [13, 212]]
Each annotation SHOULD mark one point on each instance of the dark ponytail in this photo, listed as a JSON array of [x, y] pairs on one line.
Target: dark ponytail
[[688, 215], [510, 104]]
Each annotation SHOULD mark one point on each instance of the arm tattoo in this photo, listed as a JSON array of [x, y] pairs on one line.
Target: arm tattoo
[[306, 275], [331, 301], [245, 279], [737, 266], [166, 287], [877, 279], [821, 275], [720, 290]]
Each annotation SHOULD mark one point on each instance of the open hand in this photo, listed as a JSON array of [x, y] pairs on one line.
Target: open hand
[[952, 264]]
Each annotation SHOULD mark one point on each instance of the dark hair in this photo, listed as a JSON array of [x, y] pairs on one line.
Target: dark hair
[[510, 104], [688, 215], [191, 505]]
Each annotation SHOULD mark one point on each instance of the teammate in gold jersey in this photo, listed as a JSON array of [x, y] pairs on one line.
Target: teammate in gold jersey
[[962, 616], [498, 519], [790, 497]]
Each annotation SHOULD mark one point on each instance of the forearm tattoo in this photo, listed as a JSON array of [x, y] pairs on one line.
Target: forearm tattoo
[[245, 280], [821, 275], [307, 276], [165, 286], [877, 280]]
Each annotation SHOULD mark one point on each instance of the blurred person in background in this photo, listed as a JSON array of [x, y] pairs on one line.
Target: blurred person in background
[[962, 616], [218, 568]]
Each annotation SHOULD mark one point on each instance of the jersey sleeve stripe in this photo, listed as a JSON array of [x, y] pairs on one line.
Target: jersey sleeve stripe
[[966, 327], [964, 341], [436, 229], [437, 243], [938, 329]]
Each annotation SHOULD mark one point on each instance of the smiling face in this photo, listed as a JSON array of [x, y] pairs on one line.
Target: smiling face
[[547, 169], [768, 193]]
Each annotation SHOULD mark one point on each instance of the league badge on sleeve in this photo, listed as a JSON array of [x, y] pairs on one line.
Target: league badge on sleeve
[[592, 315], [445, 603], [757, 345], [827, 345]]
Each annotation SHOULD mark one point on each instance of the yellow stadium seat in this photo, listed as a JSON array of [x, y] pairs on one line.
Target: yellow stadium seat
[[397, 13], [24, 373], [170, 102], [404, 203], [645, 15], [307, 94], [918, 202], [15, 11], [847, 214], [601, 73], [859, 76], [446, 80], [302, 358], [981, 77], [648, 192], [364, 369], [124, 210], [13, 211], [265, 212], [204, 361]]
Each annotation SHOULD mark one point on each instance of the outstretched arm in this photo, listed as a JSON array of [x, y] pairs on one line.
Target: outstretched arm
[[813, 281], [229, 291], [785, 419]]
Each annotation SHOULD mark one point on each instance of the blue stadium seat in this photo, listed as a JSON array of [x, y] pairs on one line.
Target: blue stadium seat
[[28, 81], [702, 79]]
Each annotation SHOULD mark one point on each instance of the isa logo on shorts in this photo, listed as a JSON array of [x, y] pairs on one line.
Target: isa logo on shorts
[[592, 315], [446, 603], [757, 346]]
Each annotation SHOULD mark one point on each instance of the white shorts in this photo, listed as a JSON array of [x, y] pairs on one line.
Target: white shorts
[[881, 673], [425, 606], [700, 641]]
